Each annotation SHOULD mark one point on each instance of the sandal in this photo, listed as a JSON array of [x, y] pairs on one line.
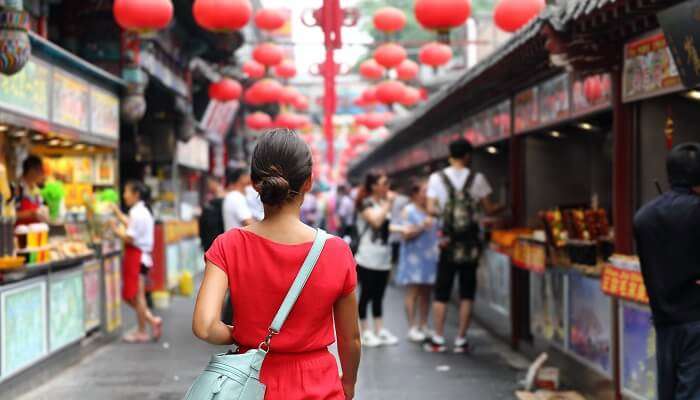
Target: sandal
[[136, 337], [157, 328]]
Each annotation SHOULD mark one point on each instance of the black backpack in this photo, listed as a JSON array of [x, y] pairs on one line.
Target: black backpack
[[211, 222], [459, 223]]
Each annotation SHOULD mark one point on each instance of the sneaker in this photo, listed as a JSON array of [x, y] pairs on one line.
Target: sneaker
[[369, 339], [387, 338], [462, 346], [435, 345], [416, 335]]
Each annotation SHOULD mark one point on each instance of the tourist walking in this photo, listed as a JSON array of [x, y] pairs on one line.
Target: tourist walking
[[667, 230], [259, 263], [455, 195], [236, 211], [418, 259], [374, 204], [136, 230]]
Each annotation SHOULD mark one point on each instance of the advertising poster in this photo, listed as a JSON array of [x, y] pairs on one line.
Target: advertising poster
[[494, 281], [104, 113], [112, 278], [554, 100], [27, 91], [66, 309], [70, 101], [649, 68], [589, 311], [526, 112], [93, 298], [23, 327], [104, 169], [638, 351], [548, 306], [499, 122], [591, 93]]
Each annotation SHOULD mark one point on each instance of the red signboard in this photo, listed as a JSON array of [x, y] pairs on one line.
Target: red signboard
[[625, 284]]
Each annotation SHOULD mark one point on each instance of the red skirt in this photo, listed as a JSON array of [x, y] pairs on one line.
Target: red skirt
[[302, 376], [131, 268]]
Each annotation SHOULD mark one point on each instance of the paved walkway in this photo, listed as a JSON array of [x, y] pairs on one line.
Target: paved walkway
[[163, 371]]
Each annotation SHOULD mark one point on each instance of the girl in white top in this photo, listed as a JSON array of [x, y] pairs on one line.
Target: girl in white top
[[373, 256], [136, 230]]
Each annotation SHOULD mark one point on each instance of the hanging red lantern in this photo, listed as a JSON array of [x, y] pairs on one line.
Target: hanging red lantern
[[258, 121], [411, 97], [374, 120], [360, 119], [252, 97], [143, 15], [267, 91], [222, 15], [442, 15], [369, 95], [269, 19], [593, 89], [286, 69], [389, 19], [389, 55], [407, 70], [435, 54], [253, 69], [359, 102], [370, 69], [301, 103], [289, 95], [268, 54], [225, 90], [511, 15], [387, 116], [423, 93], [288, 120], [389, 92]]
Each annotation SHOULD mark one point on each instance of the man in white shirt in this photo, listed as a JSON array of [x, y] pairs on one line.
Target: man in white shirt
[[236, 212], [439, 196], [254, 203]]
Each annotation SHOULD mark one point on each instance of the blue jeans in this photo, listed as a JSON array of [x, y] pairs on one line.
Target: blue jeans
[[678, 359]]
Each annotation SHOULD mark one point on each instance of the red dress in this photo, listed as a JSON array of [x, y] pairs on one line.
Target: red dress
[[260, 272]]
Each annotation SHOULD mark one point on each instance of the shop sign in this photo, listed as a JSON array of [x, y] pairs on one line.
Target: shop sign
[[649, 68], [23, 330], [625, 284], [27, 91], [590, 322], [104, 113], [530, 255], [680, 26], [219, 117], [638, 352], [194, 154], [591, 93], [553, 99], [526, 113], [67, 309], [70, 100]]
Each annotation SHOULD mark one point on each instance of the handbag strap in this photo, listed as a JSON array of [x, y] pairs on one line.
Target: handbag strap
[[299, 282]]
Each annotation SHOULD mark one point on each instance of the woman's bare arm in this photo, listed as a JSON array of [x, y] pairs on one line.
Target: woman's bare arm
[[349, 348], [206, 321]]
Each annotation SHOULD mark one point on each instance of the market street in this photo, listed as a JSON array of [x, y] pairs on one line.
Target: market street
[[163, 371]]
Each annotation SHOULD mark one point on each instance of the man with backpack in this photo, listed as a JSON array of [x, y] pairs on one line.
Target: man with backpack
[[455, 195]]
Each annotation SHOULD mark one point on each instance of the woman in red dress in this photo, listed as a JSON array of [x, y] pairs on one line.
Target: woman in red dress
[[258, 263]]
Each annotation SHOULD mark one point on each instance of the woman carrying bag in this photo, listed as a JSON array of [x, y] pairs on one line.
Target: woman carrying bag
[[290, 286]]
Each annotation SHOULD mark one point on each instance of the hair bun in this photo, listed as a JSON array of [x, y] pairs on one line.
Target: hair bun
[[274, 190]]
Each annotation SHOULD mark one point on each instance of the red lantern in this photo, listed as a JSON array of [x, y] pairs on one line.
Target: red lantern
[[369, 95], [222, 15], [390, 55], [411, 97], [286, 69], [225, 90], [268, 54], [423, 93], [593, 89], [269, 19], [253, 69], [288, 120], [370, 69], [252, 97], [143, 15], [289, 95], [442, 15], [258, 121], [387, 116], [390, 92], [435, 54], [267, 91], [374, 120], [511, 15], [389, 19], [301, 103], [407, 70], [360, 119]]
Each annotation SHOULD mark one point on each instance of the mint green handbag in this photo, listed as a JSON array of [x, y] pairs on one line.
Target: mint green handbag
[[231, 376]]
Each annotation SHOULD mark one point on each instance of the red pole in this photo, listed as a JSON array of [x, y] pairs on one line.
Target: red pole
[[331, 22]]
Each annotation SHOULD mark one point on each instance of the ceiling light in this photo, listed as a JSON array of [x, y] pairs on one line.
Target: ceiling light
[[693, 94], [66, 143], [3, 128], [20, 133], [37, 137], [54, 142], [492, 150], [586, 126], [555, 134], [79, 146]]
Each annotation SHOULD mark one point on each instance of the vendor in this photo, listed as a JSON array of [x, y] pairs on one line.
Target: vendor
[[30, 207], [136, 230]]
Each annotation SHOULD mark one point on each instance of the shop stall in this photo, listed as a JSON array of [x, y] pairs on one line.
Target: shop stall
[[59, 279]]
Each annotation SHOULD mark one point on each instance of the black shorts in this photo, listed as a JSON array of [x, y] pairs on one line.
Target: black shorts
[[446, 272], [395, 252], [145, 271]]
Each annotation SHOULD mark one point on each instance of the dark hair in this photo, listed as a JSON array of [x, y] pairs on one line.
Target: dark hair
[[233, 174], [142, 190], [460, 148], [32, 162], [415, 188], [371, 179], [683, 165], [281, 164]]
